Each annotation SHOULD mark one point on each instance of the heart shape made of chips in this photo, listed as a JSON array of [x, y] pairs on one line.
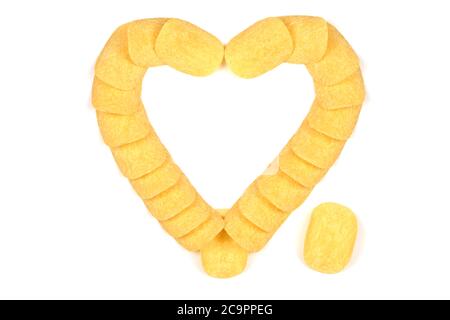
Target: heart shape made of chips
[[225, 238]]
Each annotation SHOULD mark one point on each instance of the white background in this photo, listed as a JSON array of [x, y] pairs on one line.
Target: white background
[[71, 226]]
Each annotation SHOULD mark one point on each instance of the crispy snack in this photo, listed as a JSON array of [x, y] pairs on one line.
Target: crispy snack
[[223, 258], [330, 238]]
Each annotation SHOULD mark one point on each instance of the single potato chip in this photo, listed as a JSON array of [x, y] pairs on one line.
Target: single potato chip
[[246, 234], [188, 219], [223, 258], [111, 100], [142, 36], [298, 169], [260, 211], [339, 62], [171, 202], [114, 65], [139, 158], [330, 238], [315, 147], [197, 239], [259, 49], [283, 192], [337, 124], [348, 93], [118, 130], [157, 181], [187, 48], [310, 36]]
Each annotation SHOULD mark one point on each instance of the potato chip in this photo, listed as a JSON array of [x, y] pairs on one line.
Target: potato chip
[[157, 181], [337, 124], [330, 238], [298, 169], [246, 234], [114, 65], [223, 258], [111, 100], [118, 130], [282, 191], [310, 37], [255, 208], [139, 158], [142, 36], [339, 62], [348, 93], [171, 202], [188, 219], [315, 147], [259, 49], [197, 239], [187, 48]]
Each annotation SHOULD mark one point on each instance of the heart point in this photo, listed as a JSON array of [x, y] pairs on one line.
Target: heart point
[[223, 258]]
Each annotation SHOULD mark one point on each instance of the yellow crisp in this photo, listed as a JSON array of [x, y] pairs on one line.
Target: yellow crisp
[[111, 100], [202, 235], [339, 62], [260, 48], [139, 158], [282, 191], [310, 37], [260, 211], [142, 36], [315, 147], [348, 93], [118, 130], [223, 258], [298, 169], [187, 48], [114, 65], [157, 181], [171, 202], [337, 124], [330, 238], [188, 219], [246, 234]]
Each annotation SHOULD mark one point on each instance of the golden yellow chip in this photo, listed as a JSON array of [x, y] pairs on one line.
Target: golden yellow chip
[[337, 124], [188, 219], [171, 202], [339, 62], [202, 235], [348, 93], [259, 49], [114, 65], [187, 48], [315, 147], [142, 36], [118, 130], [330, 238], [157, 181], [246, 234], [298, 169], [139, 158], [254, 207], [282, 191], [310, 37], [223, 258], [111, 100]]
